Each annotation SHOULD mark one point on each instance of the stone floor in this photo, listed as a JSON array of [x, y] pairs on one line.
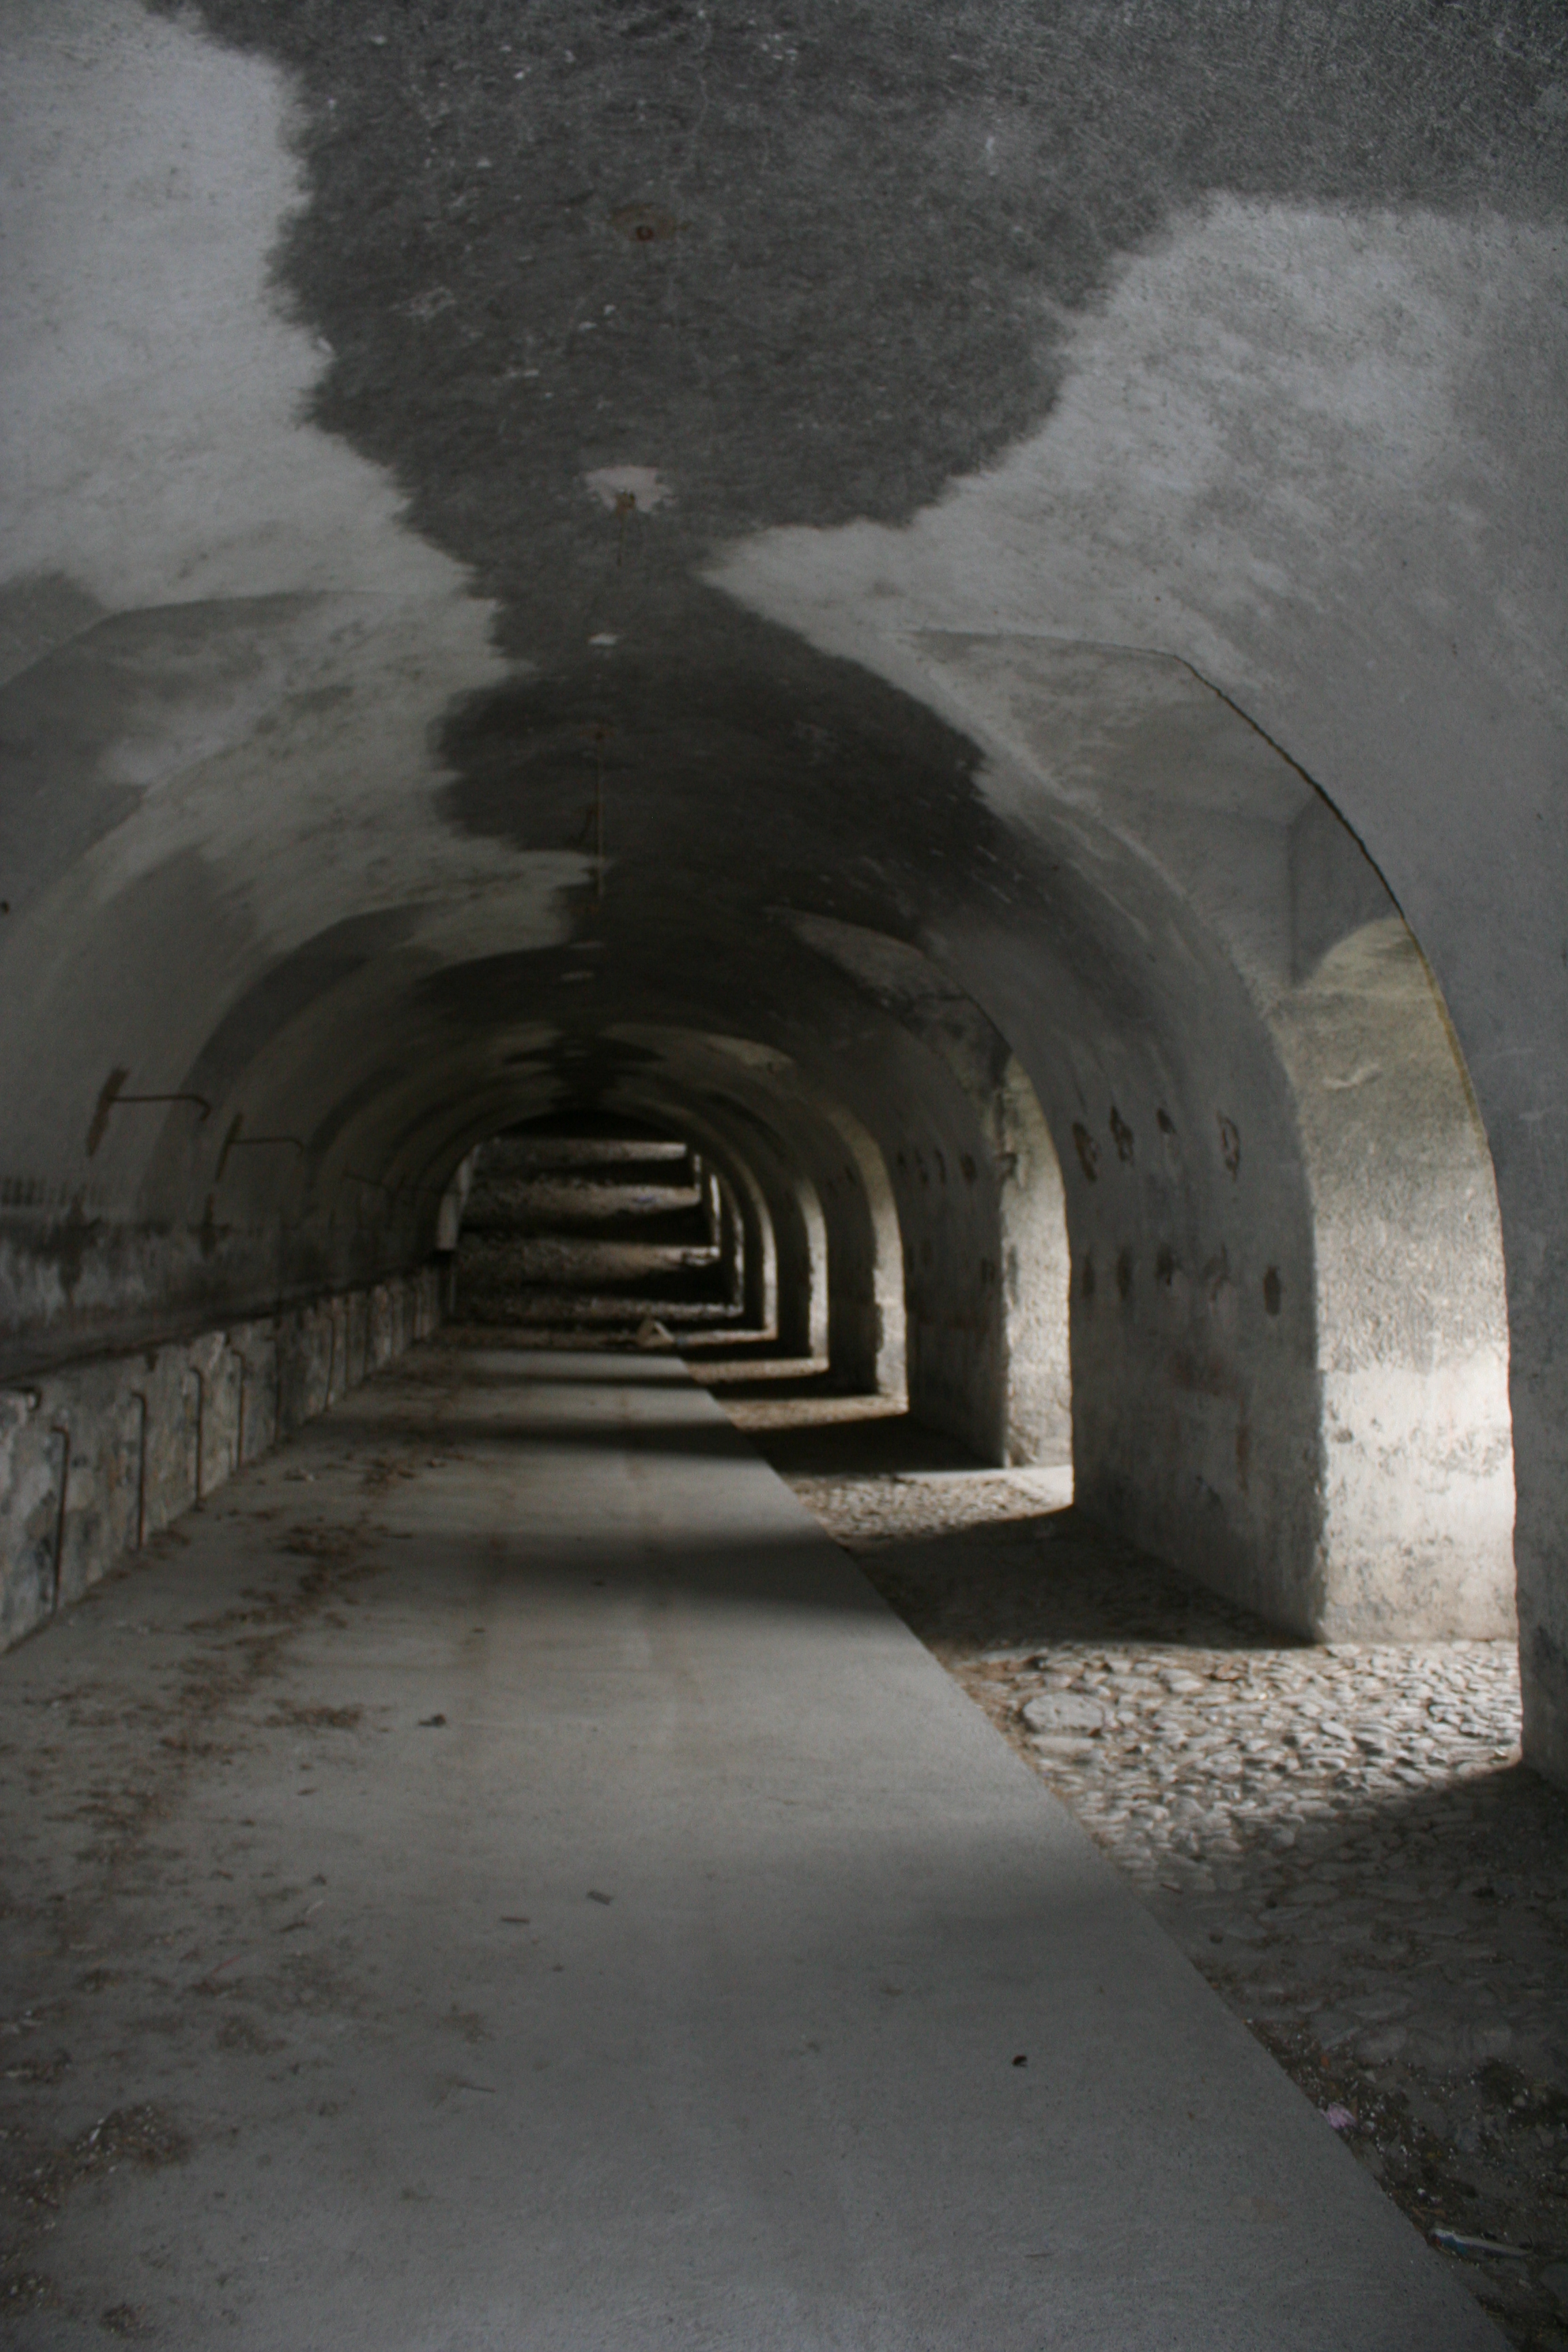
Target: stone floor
[[1343, 1840], [495, 1878]]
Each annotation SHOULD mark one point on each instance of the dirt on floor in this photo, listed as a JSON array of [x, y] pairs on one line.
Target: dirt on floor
[[1343, 1840]]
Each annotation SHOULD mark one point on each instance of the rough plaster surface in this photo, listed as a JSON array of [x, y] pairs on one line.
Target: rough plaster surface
[[1231, 1195], [1018, 1406], [505, 508], [96, 1458], [1413, 1367], [234, 721], [1286, 452]]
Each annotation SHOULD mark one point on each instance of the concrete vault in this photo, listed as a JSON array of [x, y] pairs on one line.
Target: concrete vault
[[958, 621]]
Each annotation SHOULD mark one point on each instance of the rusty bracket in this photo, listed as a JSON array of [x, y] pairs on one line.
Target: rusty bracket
[[112, 1098], [235, 1141]]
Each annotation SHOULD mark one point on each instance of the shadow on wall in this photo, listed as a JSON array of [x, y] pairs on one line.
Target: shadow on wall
[[1221, 1350], [1387, 1513], [985, 1258], [837, 1220]]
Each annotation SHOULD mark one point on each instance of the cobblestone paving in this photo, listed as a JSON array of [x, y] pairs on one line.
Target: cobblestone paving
[[1343, 1840]]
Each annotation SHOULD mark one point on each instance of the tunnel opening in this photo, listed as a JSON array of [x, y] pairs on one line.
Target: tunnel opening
[[841, 727], [296, 923], [597, 1230]]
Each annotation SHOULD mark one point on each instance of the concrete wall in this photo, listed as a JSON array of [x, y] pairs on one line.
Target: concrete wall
[[789, 1254], [947, 1199], [1255, 1090], [1036, 1275], [799, 1226], [1417, 1477], [986, 1266], [841, 1284], [755, 1249], [96, 1457], [868, 1302], [378, 784]]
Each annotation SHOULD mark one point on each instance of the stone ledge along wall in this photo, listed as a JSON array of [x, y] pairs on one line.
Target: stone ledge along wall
[[97, 1456]]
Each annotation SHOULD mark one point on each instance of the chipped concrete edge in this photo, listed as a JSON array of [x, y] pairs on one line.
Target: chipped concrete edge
[[96, 1458]]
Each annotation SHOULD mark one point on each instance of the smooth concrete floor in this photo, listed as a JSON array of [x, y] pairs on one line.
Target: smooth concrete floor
[[540, 1898]]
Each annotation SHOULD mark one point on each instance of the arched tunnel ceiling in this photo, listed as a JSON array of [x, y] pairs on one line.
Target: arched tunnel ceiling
[[516, 514], [457, 442]]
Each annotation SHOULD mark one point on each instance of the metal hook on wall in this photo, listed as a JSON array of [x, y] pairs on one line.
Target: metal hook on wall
[[113, 1098], [236, 1141]]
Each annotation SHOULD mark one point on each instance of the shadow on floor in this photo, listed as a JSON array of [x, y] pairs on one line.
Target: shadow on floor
[[1014, 1583], [804, 1429], [1394, 1938]]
